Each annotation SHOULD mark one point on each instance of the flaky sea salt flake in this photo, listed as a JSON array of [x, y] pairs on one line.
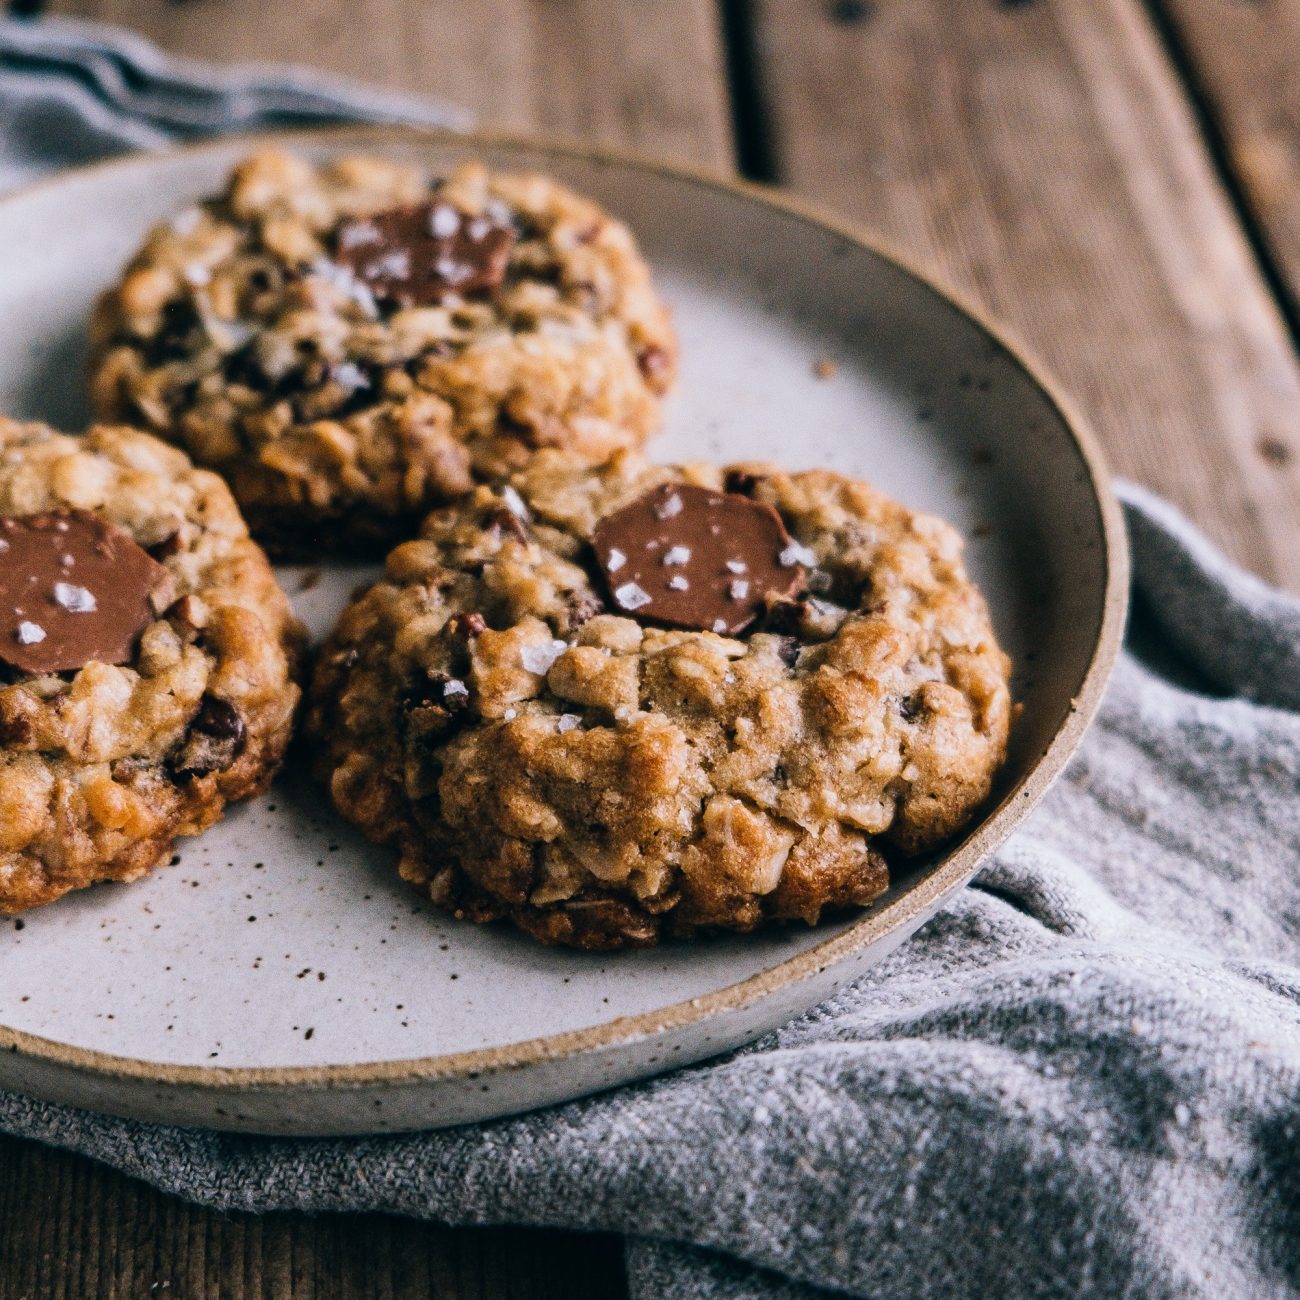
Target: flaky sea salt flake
[[396, 263], [514, 502], [668, 507], [796, 553], [76, 600], [358, 234], [452, 271], [539, 658], [444, 221], [631, 596], [350, 377]]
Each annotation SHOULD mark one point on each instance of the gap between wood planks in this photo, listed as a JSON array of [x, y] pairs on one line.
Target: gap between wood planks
[[1212, 130]]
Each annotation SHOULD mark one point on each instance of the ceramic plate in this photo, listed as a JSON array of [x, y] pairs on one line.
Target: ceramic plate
[[278, 977]]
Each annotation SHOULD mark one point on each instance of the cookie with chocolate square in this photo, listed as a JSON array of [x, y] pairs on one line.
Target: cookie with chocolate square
[[622, 703], [350, 344], [147, 658]]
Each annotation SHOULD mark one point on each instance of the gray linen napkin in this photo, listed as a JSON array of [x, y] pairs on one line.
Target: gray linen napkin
[[1081, 1079], [71, 92]]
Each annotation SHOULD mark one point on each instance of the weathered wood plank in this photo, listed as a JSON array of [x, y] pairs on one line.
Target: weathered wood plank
[[1243, 60], [1045, 158], [647, 76], [71, 1229]]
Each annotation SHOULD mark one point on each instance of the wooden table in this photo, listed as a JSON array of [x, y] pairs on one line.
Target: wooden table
[[1118, 181]]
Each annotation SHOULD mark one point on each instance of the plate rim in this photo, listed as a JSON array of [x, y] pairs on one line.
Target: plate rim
[[951, 874]]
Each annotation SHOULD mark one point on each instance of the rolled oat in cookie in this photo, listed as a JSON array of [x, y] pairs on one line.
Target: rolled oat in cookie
[[147, 658], [353, 343], [622, 703]]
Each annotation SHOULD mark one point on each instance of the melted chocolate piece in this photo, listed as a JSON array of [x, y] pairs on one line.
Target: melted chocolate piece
[[216, 738], [694, 558], [73, 588], [417, 256], [219, 719]]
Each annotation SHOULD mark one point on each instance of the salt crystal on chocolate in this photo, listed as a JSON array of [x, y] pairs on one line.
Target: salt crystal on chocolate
[[444, 221], [426, 254], [677, 548], [76, 600], [668, 507], [631, 596], [57, 626]]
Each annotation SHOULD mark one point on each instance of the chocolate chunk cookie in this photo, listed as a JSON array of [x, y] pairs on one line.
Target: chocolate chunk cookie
[[634, 701], [146, 658], [354, 343]]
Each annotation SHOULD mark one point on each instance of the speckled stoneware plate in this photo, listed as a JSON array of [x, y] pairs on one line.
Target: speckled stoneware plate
[[278, 977]]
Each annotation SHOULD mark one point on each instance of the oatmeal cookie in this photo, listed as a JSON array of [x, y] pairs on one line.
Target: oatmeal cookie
[[617, 704], [354, 343], [146, 658]]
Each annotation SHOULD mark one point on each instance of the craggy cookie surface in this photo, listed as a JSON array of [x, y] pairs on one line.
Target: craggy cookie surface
[[146, 658], [510, 709], [353, 343]]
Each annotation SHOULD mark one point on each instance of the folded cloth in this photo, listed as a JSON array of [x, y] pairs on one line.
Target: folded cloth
[[1082, 1078], [72, 92]]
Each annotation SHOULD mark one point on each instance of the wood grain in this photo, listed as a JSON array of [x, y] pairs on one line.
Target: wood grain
[[1243, 57], [72, 1230], [646, 76], [1044, 157]]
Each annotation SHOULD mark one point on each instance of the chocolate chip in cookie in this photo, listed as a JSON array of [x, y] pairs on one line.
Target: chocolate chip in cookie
[[216, 738], [419, 255], [695, 558], [73, 589]]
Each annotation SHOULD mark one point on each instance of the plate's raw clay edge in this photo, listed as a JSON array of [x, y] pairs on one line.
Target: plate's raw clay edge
[[947, 875]]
